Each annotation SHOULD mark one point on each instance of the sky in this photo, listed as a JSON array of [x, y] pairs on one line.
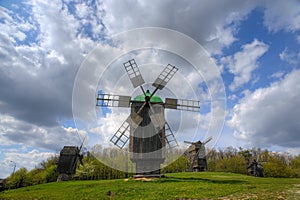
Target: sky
[[240, 59]]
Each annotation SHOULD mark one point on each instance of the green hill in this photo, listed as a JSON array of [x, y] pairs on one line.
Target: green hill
[[206, 185]]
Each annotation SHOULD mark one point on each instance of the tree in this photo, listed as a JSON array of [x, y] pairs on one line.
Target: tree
[[275, 167], [235, 164], [17, 179]]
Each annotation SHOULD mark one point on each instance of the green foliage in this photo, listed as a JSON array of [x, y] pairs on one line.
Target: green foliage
[[46, 172], [35, 176], [235, 164], [246, 154], [295, 165], [275, 164], [182, 164], [50, 173], [275, 167], [17, 179], [228, 160], [93, 169]]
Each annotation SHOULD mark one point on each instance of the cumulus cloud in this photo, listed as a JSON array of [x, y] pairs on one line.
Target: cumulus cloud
[[244, 62], [212, 23], [269, 116], [17, 132], [280, 15], [37, 78]]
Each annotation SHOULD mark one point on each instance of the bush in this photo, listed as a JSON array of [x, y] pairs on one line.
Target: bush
[[17, 179], [235, 164], [277, 169]]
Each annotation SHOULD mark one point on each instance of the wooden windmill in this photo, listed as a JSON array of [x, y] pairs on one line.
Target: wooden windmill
[[146, 128], [67, 163], [197, 155]]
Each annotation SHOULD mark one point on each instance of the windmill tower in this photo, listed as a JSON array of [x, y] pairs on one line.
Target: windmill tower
[[146, 128], [197, 155], [67, 163]]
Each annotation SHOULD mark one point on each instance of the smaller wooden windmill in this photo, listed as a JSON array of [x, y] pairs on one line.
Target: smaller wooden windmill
[[67, 163], [256, 169], [197, 155]]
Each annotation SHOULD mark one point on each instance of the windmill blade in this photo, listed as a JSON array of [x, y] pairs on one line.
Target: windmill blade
[[82, 144], [134, 120], [110, 100], [207, 140], [157, 118], [134, 73], [121, 137], [164, 77], [170, 138], [80, 159], [182, 104], [187, 142]]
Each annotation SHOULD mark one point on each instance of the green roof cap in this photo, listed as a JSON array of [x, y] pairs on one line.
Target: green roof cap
[[154, 99]]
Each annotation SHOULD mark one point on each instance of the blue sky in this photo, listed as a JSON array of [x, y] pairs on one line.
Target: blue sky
[[255, 45]]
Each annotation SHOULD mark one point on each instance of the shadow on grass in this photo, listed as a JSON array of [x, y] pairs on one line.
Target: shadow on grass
[[176, 179]]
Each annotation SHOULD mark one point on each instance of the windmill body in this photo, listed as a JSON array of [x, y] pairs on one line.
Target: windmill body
[[198, 163], [146, 143], [68, 159], [197, 155], [146, 128]]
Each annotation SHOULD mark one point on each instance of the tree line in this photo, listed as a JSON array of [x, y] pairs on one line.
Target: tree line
[[222, 160]]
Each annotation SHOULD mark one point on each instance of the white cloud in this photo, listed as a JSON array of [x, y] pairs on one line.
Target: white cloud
[[290, 57], [244, 62], [269, 116], [17, 132], [41, 70], [22, 158], [212, 23], [282, 15], [278, 75]]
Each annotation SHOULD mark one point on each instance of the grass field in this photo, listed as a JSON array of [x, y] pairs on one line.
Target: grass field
[[207, 185]]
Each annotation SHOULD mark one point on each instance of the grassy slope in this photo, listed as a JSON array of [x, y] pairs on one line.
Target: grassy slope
[[174, 186]]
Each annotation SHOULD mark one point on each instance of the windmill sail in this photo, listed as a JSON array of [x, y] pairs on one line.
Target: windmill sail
[[182, 104], [121, 137], [170, 138], [165, 76], [110, 100], [134, 73], [157, 118], [207, 140]]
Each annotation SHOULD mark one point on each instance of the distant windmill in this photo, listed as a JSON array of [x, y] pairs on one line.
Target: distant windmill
[[67, 163], [146, 127], [197, 155], [256, 169]]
